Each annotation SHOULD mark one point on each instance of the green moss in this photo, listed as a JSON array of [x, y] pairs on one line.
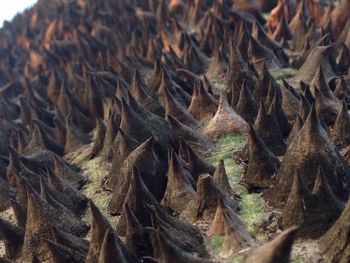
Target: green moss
[[236, 140], [251, 211], [218, 84], [251, 206], [216, 243], [94, 190], [234, 259], [284, 73], [266, 16], [226, 145], [298, 260]]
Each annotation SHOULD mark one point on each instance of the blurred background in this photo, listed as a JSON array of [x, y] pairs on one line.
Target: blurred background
[[9, 8]]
